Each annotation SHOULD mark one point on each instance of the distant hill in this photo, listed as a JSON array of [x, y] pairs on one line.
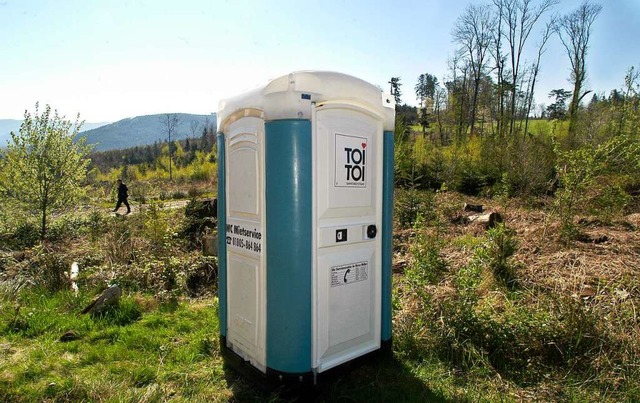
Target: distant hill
[[12, 125], [143, 130], [6, 127]]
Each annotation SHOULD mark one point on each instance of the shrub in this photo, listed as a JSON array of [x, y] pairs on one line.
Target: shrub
[[96, 224], [67, 227], [609, 200], [427, 264], [582, 170], [412, 203], [199, 218], [25, 235], [140, 192], [169, 277], [156, 227], [118, 243], [178, 194], [500, 246], [49, 268], [194, 192]]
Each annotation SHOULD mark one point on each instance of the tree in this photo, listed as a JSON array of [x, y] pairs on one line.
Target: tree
[[558, 109], [425, 91], [534, 73], [472, 32], [43, 166], [520, 17], [574, 30], [395, 90], [194, 126], [170, 122]]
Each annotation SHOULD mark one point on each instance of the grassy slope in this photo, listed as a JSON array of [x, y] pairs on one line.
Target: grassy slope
[[144, 351], [128, 354]]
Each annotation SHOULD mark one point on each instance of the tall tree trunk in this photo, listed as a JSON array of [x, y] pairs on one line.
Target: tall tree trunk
[[463, 96], [573, 111], [43, 224], [536, 69], [474, 104]]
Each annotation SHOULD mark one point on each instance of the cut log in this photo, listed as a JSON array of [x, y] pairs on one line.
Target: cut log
[[473, 207], [109, 297], [488, 220]]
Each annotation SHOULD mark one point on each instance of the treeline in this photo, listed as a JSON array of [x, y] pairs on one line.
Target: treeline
[[187, 149], [191, 159], [494, 69], [479, 131]]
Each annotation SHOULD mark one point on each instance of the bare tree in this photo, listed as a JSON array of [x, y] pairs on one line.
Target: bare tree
[[457, 93], [439, 104], [499, 59], [170, 122], [535, 70], [574, 30], [194, 126], [519, 18], [473, 32]]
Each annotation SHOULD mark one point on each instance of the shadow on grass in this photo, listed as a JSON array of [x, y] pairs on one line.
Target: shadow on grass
[[373, 379]]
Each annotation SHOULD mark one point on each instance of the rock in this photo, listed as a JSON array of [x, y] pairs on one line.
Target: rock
[[69, 335], [587, 292], [109, 297]]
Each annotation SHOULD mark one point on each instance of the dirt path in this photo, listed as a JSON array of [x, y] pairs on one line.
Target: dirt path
[[135, 207]]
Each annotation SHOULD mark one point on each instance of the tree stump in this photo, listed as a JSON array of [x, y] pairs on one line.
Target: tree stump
[[210, 245], [478, 208], [488, 220]]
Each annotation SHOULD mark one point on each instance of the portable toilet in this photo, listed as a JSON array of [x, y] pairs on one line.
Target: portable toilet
[[305, 195]]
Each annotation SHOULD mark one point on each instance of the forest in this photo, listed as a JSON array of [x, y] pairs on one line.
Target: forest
[[516, 245]]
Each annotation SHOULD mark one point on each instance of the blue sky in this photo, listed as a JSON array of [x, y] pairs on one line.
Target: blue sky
[[108, 60]]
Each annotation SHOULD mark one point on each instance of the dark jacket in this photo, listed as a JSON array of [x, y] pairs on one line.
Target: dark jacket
[[122, 191]]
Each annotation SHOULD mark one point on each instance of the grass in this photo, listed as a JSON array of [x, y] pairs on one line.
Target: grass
[[142, 351], [126, 354], [463, 331]]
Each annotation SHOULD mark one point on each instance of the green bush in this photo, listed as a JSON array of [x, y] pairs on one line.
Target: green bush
[[48, 268], [97, 224], [67, 227], [198, 219], [119, 243], [25, 235], [427, 265], [156, 227], [169, 277], [411, 203], [178, 195], [583, 171], [500, 246]]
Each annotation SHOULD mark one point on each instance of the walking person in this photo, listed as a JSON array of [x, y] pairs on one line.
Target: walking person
[[122, 196]]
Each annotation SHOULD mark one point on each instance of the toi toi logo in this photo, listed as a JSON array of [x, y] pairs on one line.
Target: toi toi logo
[[356, 159]]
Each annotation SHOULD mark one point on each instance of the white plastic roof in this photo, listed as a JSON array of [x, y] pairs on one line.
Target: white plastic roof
[[291, 96]]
